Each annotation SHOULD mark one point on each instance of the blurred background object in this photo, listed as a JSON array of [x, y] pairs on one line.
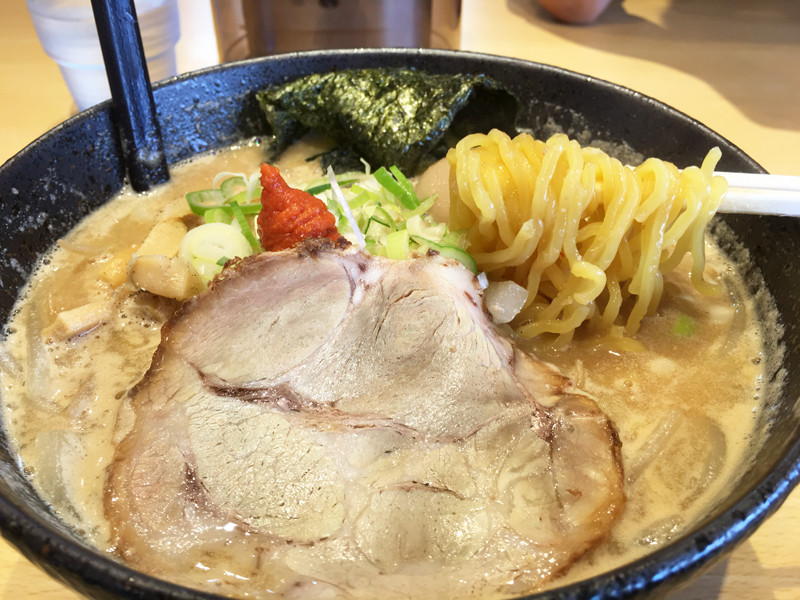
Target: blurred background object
[[575, 11], [249, 28], [67, 32]]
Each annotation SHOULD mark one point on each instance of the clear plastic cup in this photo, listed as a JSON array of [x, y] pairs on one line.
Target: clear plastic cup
[[67, 32]]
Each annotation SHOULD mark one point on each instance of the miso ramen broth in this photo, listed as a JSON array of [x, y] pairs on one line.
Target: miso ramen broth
[[685, 410]]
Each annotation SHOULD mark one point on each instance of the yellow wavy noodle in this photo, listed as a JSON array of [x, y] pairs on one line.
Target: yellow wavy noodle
[[589, 238]]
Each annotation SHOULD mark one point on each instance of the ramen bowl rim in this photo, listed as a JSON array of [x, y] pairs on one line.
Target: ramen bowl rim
[[97, 574]]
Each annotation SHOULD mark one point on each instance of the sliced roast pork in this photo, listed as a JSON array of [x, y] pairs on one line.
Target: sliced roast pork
[[325, 423]]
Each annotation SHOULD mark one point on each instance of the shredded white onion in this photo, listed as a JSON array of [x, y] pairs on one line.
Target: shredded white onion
[[253, 183], [337, 193]]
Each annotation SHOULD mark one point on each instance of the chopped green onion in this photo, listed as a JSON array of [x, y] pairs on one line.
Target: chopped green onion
[[684, 327], [217, 215], [233, 186], [423, 207], [361, 199], [404, 183], [427, 229], [384, 214], [373, 219], [375, 248], [323, 185], [397, 244], [454, 238], [221, 262], [389, 215], [250, 209], [407, 199], [202, 200], [453, 252], [205, 246], [247, 232], [240, 198], [318, 189], [224, 213], [379, 211]]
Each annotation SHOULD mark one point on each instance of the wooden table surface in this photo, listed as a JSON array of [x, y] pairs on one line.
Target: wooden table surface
[[731, 64]]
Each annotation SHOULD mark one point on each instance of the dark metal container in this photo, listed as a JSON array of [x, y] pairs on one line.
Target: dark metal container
[[50, 185]]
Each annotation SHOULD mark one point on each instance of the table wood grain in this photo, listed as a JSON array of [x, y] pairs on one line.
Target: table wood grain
[[732, 65]]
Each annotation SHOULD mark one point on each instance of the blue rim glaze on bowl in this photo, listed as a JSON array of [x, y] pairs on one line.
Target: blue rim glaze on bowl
[[50, 185]]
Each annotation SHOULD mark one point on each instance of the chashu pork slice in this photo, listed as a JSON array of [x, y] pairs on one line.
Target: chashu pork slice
[[326, 423]]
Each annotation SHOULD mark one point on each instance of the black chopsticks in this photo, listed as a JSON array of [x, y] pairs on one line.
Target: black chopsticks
[[131, 94]]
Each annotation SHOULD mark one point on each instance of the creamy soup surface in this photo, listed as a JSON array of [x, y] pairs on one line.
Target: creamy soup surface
[[686, 410]]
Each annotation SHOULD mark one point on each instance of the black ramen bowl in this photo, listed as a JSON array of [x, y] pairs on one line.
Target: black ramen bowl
[[49, 186]]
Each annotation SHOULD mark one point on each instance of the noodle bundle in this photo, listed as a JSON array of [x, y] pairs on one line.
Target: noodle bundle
[[588, 237]]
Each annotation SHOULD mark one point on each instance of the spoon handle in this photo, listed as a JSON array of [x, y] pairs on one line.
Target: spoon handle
[[131, 94]]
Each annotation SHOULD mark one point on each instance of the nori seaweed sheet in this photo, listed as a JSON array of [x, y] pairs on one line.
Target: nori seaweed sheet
[[399, 117]]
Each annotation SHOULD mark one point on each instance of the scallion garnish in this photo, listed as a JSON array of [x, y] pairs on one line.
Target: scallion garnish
[[387, 214], [247, 232], [322, 185], [233, 187], [684, 327], [379, 211], [453, 252], [203, 200], [397, 244], [404, 193]]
